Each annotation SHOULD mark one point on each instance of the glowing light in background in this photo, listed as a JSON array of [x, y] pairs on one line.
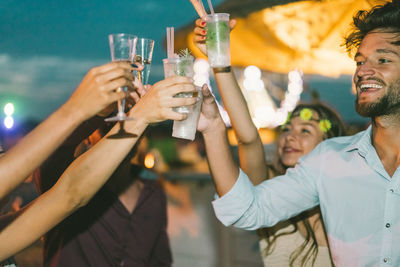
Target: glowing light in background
[[9, 109], [8, 122], [252, 73], [262, 109], [149, 161], [201, 72], [260, 104]]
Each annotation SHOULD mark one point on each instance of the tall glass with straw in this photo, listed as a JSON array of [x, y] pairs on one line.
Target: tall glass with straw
[[182, 65], [217, 38]]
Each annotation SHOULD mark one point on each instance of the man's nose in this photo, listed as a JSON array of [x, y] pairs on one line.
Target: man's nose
[[365, 70]]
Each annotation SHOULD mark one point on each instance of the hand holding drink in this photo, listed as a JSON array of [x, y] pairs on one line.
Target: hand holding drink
[[201, 33], [213, 30], [182, 65]]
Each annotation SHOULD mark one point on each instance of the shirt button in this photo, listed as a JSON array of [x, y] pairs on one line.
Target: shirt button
[[391, 191], [387, 225], [385, 260]]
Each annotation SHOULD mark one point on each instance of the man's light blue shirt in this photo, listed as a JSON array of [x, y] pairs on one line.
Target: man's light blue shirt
[[360, 202]]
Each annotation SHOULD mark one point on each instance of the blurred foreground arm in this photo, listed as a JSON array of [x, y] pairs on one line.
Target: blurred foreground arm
[[95, 92], [85, 176]]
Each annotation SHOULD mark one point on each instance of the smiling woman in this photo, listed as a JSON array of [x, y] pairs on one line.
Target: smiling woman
[[301, 241]]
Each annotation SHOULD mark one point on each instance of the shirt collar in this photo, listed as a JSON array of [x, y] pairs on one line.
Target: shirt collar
[[362, 142]]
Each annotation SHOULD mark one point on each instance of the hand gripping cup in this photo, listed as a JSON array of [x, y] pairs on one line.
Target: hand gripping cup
[[183, 66], [217, 40], [186, 129]]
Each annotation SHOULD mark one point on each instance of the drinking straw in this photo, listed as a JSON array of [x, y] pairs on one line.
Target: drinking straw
[[211, 7], [168, 55], [170, 42], [202, 7], [198, 5]]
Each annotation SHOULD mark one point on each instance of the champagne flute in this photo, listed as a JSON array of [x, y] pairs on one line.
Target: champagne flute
[[123, 48], [144, 53]]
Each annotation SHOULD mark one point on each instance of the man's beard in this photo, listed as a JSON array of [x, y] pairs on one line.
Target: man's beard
[[386, 105]]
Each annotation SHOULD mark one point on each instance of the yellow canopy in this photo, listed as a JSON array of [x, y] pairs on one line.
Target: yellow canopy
[[306, 35]]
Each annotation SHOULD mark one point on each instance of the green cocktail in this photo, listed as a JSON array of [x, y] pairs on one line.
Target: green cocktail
[[217, 40]]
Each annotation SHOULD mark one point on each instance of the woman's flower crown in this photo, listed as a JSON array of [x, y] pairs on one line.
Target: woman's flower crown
[[306, 114]]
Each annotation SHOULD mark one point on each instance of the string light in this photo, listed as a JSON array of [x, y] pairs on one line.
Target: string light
[[262, 109], [201, 70]]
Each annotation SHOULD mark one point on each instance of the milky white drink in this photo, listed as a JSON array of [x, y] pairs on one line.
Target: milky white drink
[[217, 40], [183, 66], [186, 129]]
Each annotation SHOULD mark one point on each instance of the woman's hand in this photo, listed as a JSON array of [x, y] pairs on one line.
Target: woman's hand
[[200, 32], [209, 116], [98, 89]]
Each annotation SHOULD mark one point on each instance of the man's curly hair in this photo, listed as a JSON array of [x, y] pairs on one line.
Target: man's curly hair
[[381, 18]]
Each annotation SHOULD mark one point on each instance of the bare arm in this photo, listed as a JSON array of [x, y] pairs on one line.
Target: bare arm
[[93, 94], [251, 150], [220, 161], [53, 167], [85, 176]]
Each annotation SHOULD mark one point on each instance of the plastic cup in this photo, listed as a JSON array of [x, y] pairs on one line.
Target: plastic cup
[[183, 66], [186, 129], [217, 40]]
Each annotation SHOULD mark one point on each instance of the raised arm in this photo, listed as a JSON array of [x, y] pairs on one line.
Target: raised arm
[[90, 171], [95, 92], [251, 150], [220, 161], [241, 203]]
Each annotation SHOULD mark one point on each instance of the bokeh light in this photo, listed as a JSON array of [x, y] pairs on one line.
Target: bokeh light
[[9, 109], [8, 122]]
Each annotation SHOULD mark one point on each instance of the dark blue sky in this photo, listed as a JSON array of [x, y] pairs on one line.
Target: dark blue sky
[[47, 46], [79, 28]]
